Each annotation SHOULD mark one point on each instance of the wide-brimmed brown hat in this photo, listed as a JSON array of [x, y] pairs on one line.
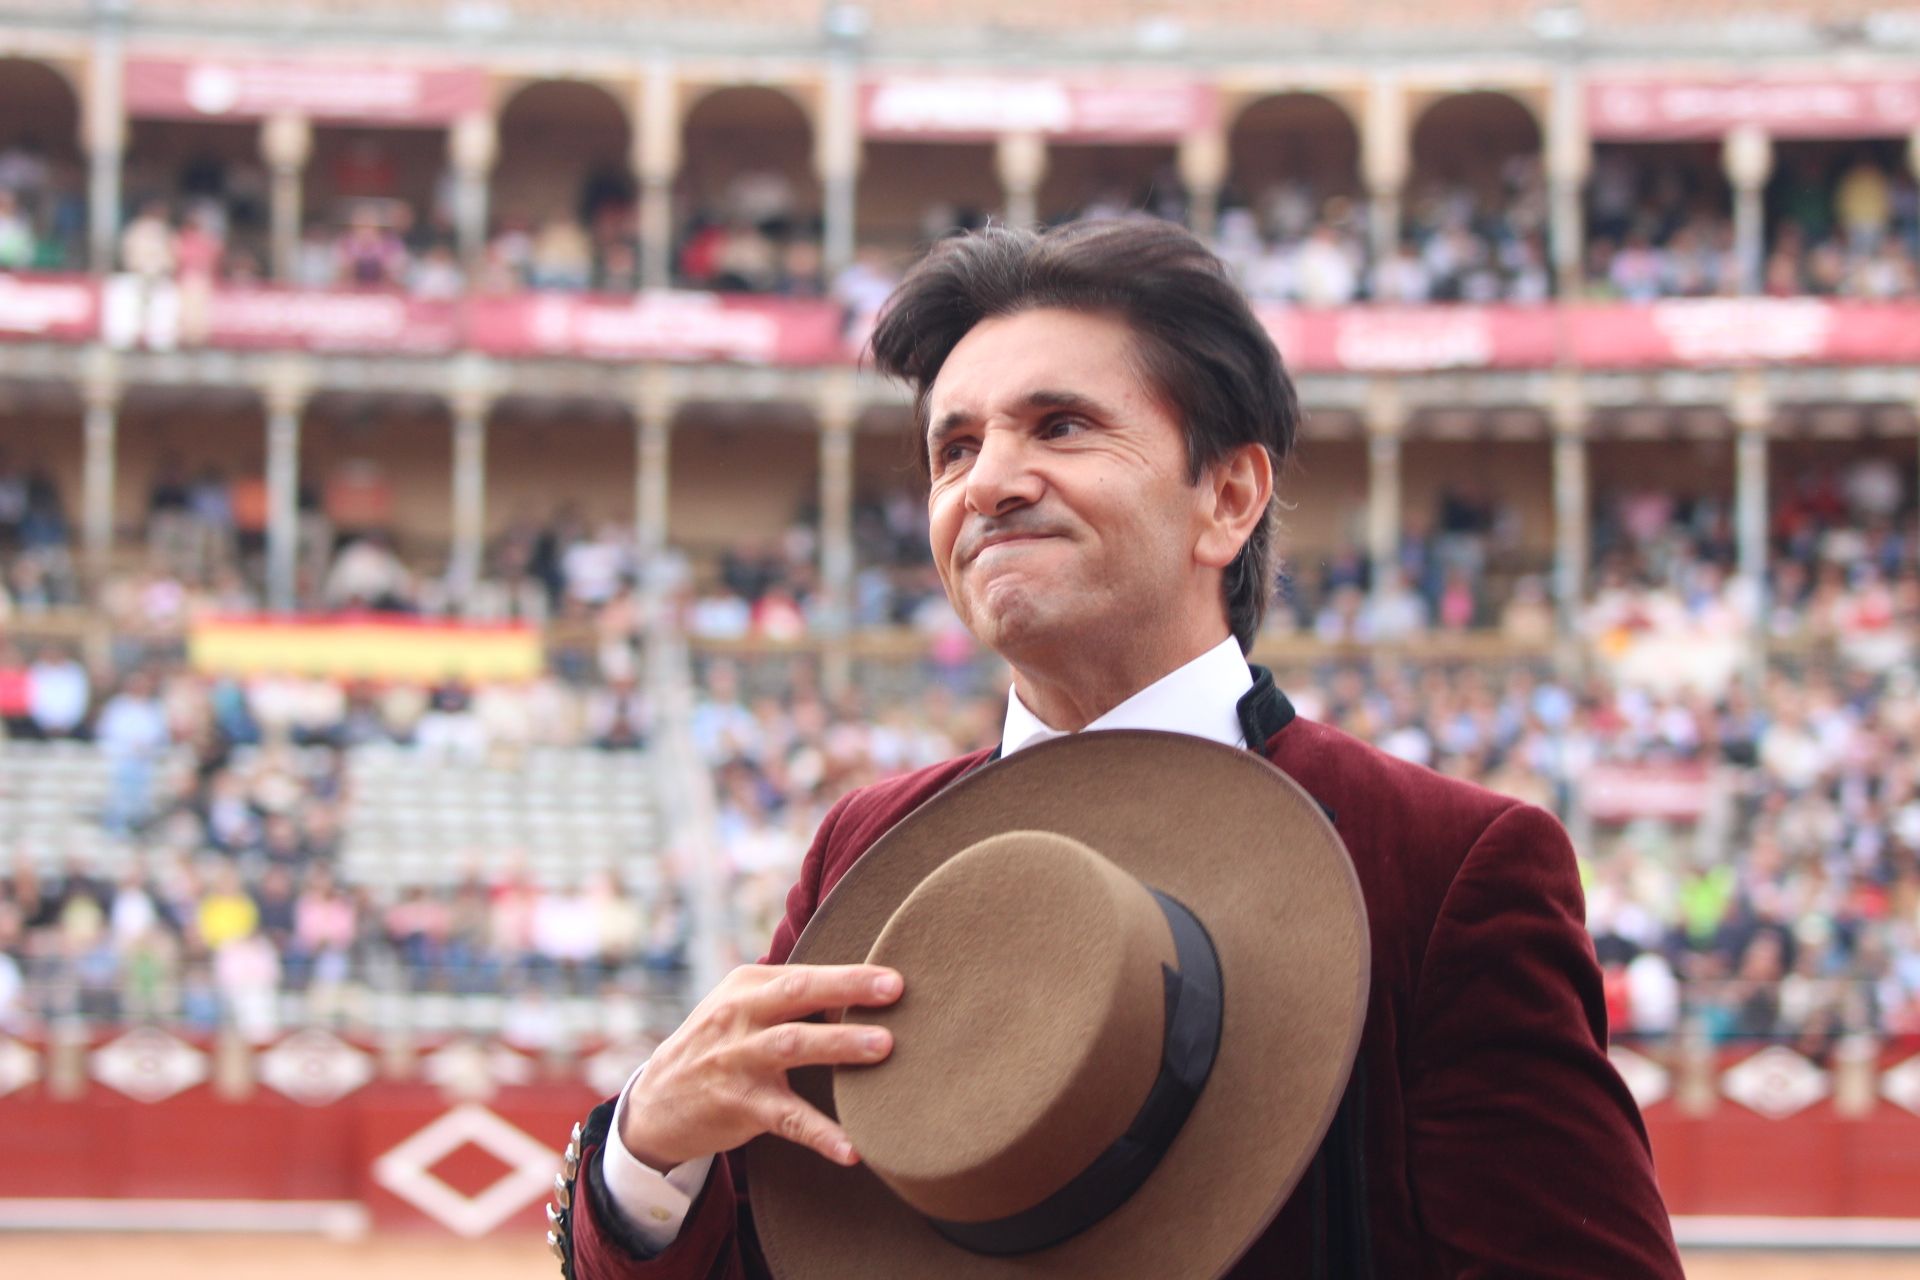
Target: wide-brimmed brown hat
[[1136, 969]]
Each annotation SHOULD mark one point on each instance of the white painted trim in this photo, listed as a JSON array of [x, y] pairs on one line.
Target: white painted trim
[[1727, 1232], [341, 1219]]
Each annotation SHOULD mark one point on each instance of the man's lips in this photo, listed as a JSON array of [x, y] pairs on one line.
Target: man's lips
[[1005, 540]]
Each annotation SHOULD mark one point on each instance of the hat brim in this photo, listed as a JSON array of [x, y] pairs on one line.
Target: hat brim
[[1251, 854]]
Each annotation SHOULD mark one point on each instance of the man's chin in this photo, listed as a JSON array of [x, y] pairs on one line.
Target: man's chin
[[1021, 625]]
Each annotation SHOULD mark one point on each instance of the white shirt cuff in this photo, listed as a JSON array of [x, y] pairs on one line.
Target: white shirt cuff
[[654, 1204]]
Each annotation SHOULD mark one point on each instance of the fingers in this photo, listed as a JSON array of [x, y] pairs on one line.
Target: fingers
[[802, 989], [787, 1115], [815, 1044]]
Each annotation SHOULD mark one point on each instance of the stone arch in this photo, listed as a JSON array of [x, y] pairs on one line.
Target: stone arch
[[1466, 139], [588, 180]]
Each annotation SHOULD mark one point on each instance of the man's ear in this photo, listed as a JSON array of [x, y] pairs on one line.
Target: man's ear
[[1238, 488]]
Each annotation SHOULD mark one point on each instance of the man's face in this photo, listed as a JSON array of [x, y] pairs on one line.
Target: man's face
[[1060, 511]]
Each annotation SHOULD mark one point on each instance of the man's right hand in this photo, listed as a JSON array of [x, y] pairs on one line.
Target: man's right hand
[[721, 1078]]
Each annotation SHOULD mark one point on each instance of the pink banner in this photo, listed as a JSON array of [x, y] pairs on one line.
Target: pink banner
[[1732, 331], [324, 320], [1625, 792], [1702, 332], [1661, 110], [978, 108], [660, 326], [694, 327], [60, 308], [1413, 339], [255, 88]]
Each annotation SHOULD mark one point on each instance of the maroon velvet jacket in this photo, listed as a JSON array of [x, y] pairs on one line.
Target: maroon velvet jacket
[[1486, 1134]]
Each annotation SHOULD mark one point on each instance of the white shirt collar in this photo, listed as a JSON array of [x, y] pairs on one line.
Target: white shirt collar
[[1201, 698]]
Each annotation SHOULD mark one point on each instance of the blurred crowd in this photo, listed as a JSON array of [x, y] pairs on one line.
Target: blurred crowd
[[1664, 600], [1841, 219], [1843, 571], [1293, 243], [43, 210], [1788, 907], [235, 799], [210, 223], [1840, 222]]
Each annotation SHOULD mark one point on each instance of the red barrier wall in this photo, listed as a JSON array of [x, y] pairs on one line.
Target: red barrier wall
[[419, 1156]]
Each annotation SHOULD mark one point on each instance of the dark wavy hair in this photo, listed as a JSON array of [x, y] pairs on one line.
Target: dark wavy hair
[[1199, 345]]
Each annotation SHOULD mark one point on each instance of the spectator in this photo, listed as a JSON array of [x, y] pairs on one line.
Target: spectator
[[369, 254], [17, 248], [132, 734], [227, 913], [147, 244], [562, 256], [59, 694]]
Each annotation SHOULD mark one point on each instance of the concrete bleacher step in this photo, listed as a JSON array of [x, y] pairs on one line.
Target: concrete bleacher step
[[410, 818], [562, 813]]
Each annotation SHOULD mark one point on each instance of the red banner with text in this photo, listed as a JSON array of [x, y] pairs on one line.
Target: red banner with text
[[660, 326], [730, 328], [1646, 110], [253, 88], [49, 308], [979, 108]]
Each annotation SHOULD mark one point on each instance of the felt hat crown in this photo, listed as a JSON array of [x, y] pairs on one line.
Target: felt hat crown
[[1135, 970]]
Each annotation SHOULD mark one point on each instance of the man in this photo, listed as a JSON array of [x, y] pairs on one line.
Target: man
[[1104, 419]]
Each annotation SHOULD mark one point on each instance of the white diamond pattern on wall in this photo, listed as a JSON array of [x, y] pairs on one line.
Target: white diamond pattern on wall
[[149, 1065], [1776, 1082], [19, 1066], [315, 1067], [407, 1170], [468, 1068], [1901, 1085]]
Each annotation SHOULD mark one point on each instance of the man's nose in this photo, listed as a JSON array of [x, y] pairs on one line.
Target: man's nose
[[1002, 477]]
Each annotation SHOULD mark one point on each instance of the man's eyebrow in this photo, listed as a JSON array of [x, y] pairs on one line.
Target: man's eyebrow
[[952, 422], [955, 420]]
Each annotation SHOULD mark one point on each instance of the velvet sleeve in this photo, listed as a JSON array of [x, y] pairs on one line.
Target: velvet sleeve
[[1527, 1154], [716, 1240]]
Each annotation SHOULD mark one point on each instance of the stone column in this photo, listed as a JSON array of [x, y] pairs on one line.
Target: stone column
[[285, 396], [1570, 503], [470, 403], [836, 154], [838, 409], [104, 133], [653, 411], [1696, 1086], [1752, 416], [473, 145], [286, 141], [1021, 159], [101, 438], [1569, 161], [1386, 422], [1386, 158], [656, 137], [1856, 1075], [1747, 156], [1203, 168]]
